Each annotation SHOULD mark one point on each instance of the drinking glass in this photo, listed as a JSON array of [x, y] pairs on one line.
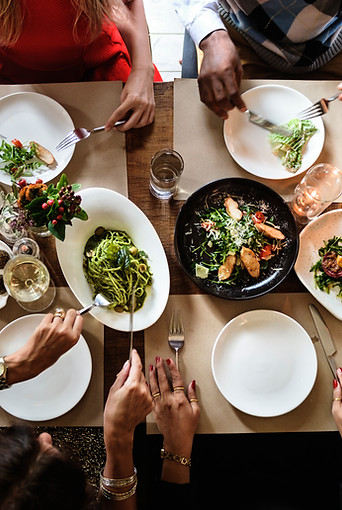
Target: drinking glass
[[28, 281], [165, 172], [321, 185]]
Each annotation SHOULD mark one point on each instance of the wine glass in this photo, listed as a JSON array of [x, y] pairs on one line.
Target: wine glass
[[28, 281]]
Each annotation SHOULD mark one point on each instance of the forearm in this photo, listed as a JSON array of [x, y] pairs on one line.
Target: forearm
[[135, 34], [18, 368]]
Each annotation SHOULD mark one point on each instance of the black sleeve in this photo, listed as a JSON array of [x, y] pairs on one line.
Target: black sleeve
[[172, 496]]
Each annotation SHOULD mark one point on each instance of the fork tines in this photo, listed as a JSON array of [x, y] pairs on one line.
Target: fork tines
[[67, 141], [315, 110]]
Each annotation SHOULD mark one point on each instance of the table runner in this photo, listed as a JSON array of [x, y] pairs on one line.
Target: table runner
[[198, 136], [100, 160], [204, 316], [89, 411]]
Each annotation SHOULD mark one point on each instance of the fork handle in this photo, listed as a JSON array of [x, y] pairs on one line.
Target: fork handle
[[177, 359], [98, 129], [86, 309]]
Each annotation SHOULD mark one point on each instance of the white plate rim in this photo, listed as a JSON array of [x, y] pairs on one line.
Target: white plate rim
[[64, 156], [276, 169], [309, 243], [244, 406], [80, 353], [93, 201]]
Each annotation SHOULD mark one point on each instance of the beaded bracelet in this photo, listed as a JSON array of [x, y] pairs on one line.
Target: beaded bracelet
[[118, 482], [118, 496], [185, 461]]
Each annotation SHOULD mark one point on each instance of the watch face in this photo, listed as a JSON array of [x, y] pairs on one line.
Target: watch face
[[2, 368]]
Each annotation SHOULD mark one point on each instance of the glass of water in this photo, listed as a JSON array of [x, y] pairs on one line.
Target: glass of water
[[165, 171], [28, 281], [321, 185]]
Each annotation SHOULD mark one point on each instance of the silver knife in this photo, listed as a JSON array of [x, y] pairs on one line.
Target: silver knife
[[267, 124], [325, 338], [131, 323]]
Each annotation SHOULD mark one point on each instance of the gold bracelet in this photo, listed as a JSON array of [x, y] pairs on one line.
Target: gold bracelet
[[118, 496], [185, 461], [118, 482]]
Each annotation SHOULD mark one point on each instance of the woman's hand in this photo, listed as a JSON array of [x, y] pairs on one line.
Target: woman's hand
[[337, 400], [175, 413], [128, 403], [137, 100], [339, 86], [53, 337]]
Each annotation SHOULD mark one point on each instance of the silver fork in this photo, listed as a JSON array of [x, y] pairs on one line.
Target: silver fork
[[176, 332], [99, 300], [79, 134], [317, 109]]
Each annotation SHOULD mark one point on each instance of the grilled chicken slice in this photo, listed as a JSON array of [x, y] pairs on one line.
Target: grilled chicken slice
[[232, 209], [44, 154], [268, 231], [225, 271], [250, 261]]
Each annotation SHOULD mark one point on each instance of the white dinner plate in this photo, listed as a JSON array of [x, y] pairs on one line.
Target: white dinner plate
[[4, 297], [312, 238], [29, 116], [264, 363], [109, 209], [248, 144], [56, 390]]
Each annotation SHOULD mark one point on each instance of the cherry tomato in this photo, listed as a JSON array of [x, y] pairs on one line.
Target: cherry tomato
[[258, 217], [39, 181], [17, 143], [265, 252], [22, 183]]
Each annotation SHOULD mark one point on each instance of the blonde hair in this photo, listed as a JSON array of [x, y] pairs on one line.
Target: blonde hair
[[94, 11]]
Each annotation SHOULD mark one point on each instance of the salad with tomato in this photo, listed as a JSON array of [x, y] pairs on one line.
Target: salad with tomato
[[328, 269], [238, 240], [18, 159]]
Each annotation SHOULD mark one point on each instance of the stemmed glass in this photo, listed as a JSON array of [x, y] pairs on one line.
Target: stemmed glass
[[27, 280]]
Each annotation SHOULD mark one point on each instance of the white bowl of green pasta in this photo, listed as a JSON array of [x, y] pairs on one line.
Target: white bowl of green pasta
[[115, 251]]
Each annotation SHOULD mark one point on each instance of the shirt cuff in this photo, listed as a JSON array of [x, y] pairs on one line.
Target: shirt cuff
[[204, 25]]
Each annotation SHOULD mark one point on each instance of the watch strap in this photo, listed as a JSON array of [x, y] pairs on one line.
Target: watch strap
[[3, 381]]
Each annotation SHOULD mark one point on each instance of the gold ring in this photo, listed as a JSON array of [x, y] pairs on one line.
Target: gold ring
[[155, 395], [178, 388], [59, 312], [193, 400], [337, 398]]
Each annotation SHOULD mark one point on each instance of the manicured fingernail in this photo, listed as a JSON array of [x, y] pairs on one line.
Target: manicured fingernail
[[168, 361], [193, 384], [151, 368], [335, 383], [157, 359]]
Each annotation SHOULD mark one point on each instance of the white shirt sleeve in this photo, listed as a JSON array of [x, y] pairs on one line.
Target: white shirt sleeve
[[199, 17]]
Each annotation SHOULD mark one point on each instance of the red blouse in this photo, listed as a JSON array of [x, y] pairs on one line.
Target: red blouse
[[48, 52]]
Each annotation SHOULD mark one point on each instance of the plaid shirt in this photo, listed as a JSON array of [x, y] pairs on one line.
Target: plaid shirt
[[291, 35]]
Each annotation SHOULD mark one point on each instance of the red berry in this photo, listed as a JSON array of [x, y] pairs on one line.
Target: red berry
[[60, 201], [59, 217], [50, 201], [39, 181], [22, 183], [54, 222], [44, 205], [61, 209]]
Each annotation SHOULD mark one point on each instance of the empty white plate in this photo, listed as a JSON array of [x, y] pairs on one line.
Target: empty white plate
[[264, 363]]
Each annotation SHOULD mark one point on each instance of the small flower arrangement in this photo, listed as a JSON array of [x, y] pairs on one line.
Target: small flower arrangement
[[49, 205]]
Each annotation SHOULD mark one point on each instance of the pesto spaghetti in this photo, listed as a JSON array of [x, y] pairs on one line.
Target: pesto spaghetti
[[114, 266]]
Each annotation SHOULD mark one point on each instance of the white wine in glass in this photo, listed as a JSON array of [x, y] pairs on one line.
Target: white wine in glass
[[27, 280]]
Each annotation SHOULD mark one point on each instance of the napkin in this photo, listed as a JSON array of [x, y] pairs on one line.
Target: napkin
[[198, 137], [89, 411], [204, 316]]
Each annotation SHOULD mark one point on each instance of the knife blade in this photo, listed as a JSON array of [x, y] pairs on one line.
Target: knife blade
[[267, 124], [325, 338]]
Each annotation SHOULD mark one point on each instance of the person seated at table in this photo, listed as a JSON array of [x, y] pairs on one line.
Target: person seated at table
[[34, 474], [46, 41], [261, 40]]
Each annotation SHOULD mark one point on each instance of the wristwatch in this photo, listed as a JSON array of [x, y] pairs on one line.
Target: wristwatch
[[3, 372]]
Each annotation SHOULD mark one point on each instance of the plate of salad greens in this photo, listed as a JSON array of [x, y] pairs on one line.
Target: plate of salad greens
[[319, 262], [32, 125], [266, 154], [236, 238]]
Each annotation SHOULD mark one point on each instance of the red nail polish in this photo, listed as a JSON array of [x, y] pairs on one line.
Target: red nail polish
[[335, 383], [193, 384], [151, 368], [157, 359], [168, 361]]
